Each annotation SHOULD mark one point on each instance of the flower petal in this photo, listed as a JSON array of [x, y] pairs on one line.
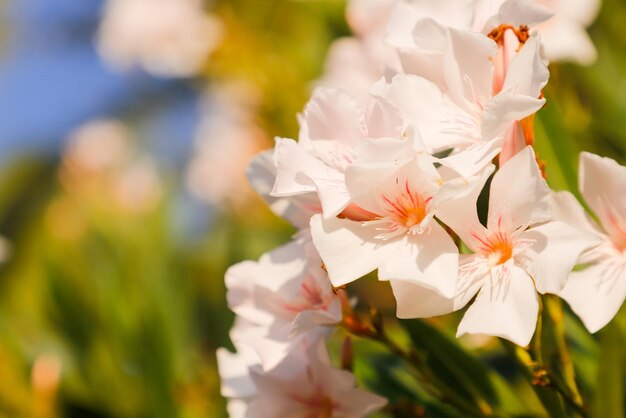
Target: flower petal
[[602, 183], [417, 301], [528, 72], [384, 120], [332, 114], [593, 298], [504, 109], [349, 249], [423, 105], [468, 69], [299, 172], [430, 259], [565, 39], [296, 209], [469, 161], [508, 311], [457, 208], [519, 192], [555, 251], [566, 208]]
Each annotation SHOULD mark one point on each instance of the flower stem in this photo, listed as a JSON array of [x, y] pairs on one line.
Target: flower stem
[[373, 330]]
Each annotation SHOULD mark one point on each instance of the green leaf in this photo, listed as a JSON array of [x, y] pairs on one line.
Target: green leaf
[[609, 401], [459, 370]]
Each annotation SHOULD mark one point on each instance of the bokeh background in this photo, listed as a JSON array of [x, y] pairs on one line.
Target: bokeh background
[[123, 198]]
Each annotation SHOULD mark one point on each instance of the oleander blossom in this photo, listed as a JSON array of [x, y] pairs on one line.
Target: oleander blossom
[[305, 384], [417, 28], [519, 253], [597, 291], [332, 127], [564, 34], [283, 296], [170, 38], [474, 110], [395, 231]]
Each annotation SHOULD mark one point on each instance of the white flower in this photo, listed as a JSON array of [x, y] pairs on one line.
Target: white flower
[[417, 27], [598, 291], [306, 385], [283, 296], [297, 209], [237, 385], [465, 111], [519, 253], [165, 37], [303, 384], [395, 232], [330, 127], [564, 35]]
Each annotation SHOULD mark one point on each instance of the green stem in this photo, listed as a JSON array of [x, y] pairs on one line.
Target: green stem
[[546, 384], [549, 398], [434, 386], [555, 312]]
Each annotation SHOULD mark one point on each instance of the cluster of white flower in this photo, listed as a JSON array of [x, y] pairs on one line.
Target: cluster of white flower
[[393, 153]]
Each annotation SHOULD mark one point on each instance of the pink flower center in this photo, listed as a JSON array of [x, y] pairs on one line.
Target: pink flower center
[[310, 297], [617, 230]]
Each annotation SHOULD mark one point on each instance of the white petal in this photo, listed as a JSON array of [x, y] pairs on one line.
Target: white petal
[[519, 12], [348, 248], [468, 67], [582, 11], [237, 408], [421, 23], [504, 109], [594, 299], [555, 251], [566, 208], [307, 320], [430, 259], [333, 114], [422, 105], [382, 150], [565, 39], [234, 372], [428, 65], [416, 301], [459, 210], [296, 209], [473, 159], [510, 313], [297, 172], [383, 119], [528, 72], [241, 282], [519, 192], [602, 183]]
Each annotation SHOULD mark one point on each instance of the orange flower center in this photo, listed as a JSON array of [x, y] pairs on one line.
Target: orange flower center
[[497, 247], [408, 209]]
